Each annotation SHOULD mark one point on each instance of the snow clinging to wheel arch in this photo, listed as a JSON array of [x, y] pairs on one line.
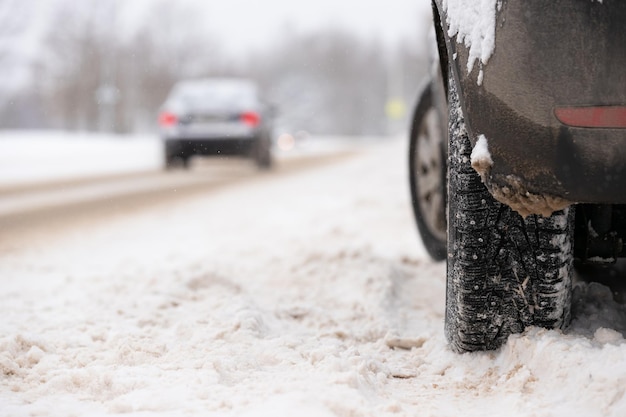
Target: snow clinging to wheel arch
[[511, 190], [473, 23], [480, 157]]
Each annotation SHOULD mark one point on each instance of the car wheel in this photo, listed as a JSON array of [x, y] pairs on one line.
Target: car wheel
[[427, 175], [263, 154], [176, 161], [504, 272], [173, 155], [172, 161]]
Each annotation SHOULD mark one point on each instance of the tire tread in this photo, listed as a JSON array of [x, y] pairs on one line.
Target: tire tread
[[505, 273]]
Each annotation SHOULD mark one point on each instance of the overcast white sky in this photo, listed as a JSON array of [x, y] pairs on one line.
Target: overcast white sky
[[243, 25], [389, 19]]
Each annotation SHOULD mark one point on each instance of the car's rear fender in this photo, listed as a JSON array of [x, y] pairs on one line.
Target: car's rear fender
[[547, 55]]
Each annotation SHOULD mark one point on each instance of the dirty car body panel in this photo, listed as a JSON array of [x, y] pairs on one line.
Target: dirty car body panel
[[549, 57]]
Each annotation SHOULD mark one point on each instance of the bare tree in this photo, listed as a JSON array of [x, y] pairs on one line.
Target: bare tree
[[92, 75], [169, 46], [329, 81], [18, 102], [73, 64]]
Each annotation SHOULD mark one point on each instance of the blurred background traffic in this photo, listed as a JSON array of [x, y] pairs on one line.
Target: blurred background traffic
[[342, 68]]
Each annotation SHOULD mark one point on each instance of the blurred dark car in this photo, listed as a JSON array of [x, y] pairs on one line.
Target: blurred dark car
[[218, 117], [518, 159]]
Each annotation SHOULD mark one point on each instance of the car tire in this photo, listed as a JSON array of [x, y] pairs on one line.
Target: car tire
[[172, 161], [427, 174], [263, 154], [504, 272], [176, 161], [174, 156], [171, 156]]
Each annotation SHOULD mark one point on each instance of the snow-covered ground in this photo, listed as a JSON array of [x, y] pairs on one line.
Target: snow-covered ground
[[31, 157], [40, 156], [300, 295]]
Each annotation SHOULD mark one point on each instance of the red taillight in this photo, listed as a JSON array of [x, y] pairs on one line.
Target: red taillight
[[612, 117], [167, 119], [250, 118]]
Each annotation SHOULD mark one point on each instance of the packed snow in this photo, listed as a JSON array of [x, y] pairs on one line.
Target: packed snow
[[481, 157], [300, 295]]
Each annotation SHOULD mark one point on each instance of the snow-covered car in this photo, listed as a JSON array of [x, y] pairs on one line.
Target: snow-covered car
[[518, 158], [220, 117]]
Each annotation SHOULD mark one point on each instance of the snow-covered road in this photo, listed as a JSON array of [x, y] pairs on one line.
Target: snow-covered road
[[306, 294]]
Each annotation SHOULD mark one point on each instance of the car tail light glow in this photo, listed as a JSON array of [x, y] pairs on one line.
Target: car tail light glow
[[167, 119], [612, 117], [250, 118]]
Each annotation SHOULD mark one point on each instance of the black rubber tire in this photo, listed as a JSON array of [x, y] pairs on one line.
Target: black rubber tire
[[169, 162], [176, 161], [504, 272], [429, 206], [174, 156], [263, 153]]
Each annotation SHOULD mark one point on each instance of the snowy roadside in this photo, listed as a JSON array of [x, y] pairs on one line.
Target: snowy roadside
[[308, 295], [31, 157], [41, 156]]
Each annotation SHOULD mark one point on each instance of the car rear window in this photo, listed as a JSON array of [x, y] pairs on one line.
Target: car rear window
[[219, 95]]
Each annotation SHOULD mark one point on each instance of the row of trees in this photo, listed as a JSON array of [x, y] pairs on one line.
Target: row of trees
[[90, 73]]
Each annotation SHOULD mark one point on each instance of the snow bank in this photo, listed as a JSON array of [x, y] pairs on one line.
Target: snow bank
[[30, 157], [39, 156]]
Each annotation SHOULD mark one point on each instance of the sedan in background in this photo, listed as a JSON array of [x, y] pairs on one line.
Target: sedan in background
[[216, 117]]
